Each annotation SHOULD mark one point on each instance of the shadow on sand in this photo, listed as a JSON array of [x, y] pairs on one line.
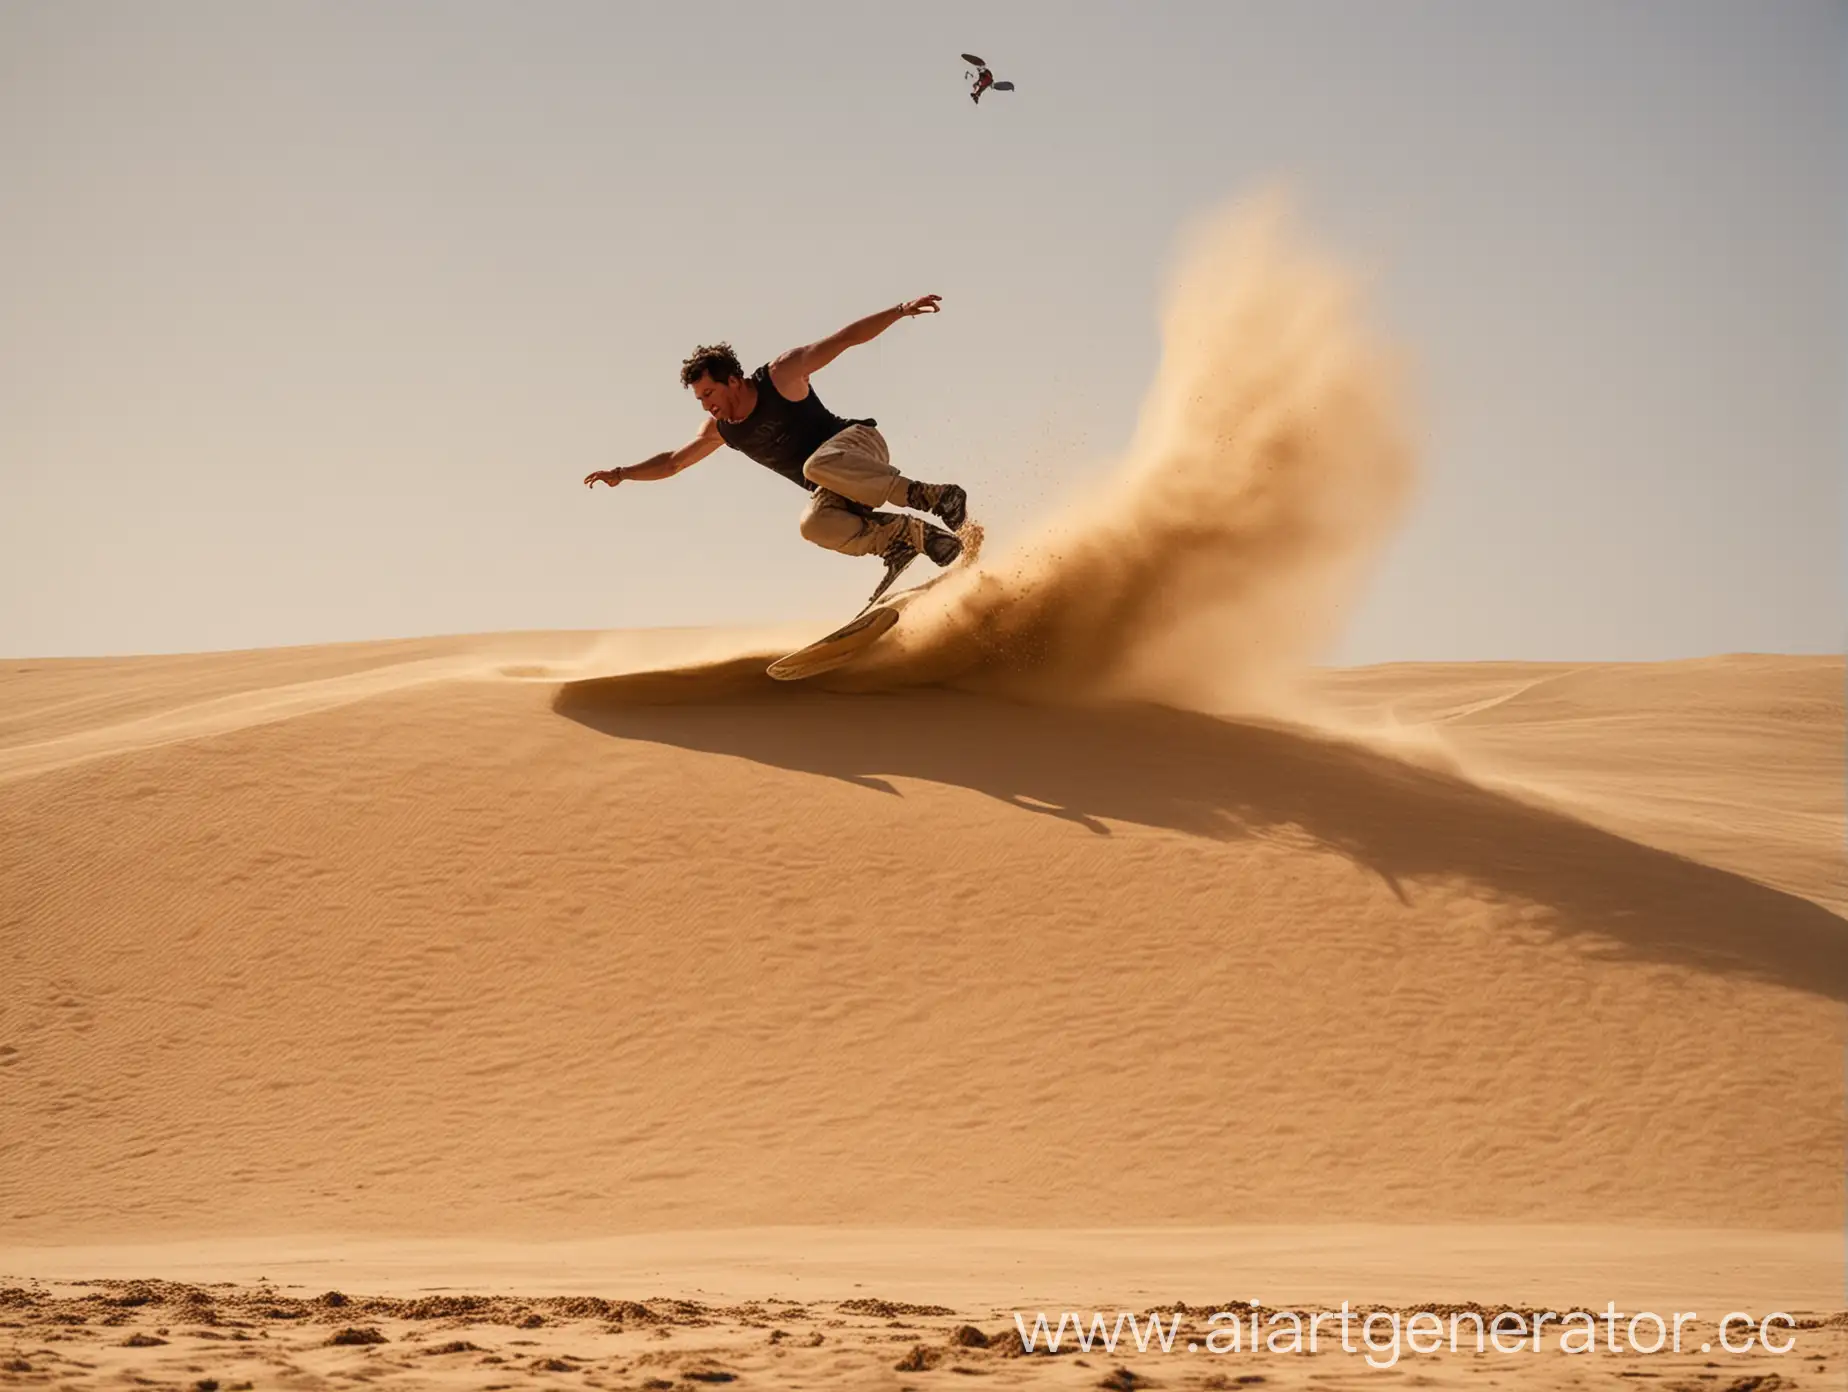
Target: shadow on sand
[[1227, 780]]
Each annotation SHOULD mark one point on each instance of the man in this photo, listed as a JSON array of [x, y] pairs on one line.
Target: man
[[774, 417]]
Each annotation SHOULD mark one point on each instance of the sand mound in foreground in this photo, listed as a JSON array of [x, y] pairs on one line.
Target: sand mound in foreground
[[107, 1334]]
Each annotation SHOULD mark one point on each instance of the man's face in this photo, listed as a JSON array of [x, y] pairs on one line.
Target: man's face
[[719, 399]]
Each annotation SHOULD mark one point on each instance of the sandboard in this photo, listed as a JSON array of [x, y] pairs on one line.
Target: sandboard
[[865, 628], [838, 648]]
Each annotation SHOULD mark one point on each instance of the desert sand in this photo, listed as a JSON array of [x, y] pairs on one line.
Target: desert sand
[[1087, 943], [416, 965]]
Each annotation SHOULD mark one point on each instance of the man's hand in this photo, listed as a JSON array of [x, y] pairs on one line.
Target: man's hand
[[610, 476], [930, 304]]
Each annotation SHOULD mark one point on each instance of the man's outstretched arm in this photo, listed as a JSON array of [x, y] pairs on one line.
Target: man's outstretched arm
[[793, 368], [664, 465]]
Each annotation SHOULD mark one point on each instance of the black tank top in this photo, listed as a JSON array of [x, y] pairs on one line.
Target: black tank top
[[781, 434]]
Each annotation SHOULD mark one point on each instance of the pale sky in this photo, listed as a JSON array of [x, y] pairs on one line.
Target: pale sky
[[313, 316]]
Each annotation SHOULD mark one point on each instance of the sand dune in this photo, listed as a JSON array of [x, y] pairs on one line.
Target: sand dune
[[524, 958]]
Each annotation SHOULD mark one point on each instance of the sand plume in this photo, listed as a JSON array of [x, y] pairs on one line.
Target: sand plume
[[1271, 459]]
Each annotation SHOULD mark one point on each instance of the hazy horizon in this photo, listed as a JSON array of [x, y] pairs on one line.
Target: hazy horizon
[[317, 315]]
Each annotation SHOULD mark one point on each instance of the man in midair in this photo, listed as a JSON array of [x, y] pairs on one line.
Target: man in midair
[[774, 417]]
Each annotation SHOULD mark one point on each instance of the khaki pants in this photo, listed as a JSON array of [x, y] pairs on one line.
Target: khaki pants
[[853, 466]]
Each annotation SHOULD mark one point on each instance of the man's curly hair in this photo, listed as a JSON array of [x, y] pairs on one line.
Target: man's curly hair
[[714, 360]]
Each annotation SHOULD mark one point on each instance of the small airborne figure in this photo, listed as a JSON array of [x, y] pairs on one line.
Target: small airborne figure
[[984, 79]]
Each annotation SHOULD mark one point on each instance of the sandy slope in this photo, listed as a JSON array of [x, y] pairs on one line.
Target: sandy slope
[[489, 956], [1654, 751]]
